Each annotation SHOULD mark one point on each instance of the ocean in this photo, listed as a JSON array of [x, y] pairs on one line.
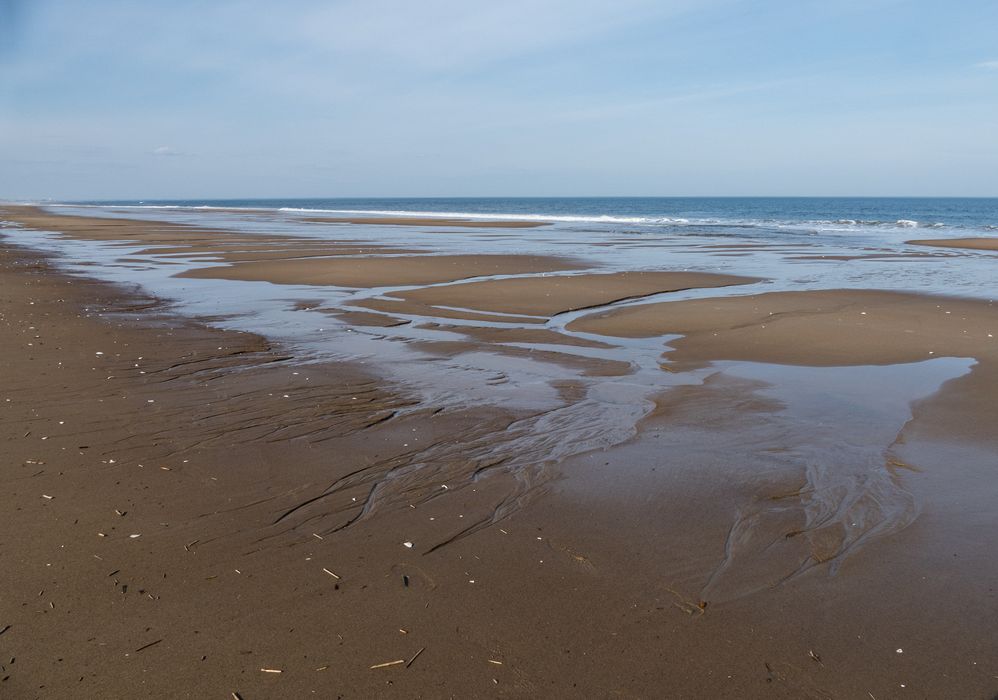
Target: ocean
[[953, 216]]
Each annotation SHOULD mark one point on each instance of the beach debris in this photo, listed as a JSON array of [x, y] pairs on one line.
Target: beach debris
[[900, 651], [317, 536], [497, 663], [187, 547], [815, 657], [236, 696], [331, 573], [146, 646], [388, 663], [47, 497], [272, 670], [414, 657], [4, 629], [901, 465], [407, 545], [135, 536]]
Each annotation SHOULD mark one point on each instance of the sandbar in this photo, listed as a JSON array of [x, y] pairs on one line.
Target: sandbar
[[553, 294], [990, 244], [383, 271]]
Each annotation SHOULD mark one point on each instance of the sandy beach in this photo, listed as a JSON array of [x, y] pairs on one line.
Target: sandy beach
[[965, 243], [505, 472]]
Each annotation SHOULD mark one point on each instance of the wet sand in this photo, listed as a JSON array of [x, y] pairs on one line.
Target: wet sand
[[549, 296], [167, 238], [382, 271], [809, 514], [966, 243], [819, 328]]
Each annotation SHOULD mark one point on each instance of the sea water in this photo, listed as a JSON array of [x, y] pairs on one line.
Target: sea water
[[963, 216]]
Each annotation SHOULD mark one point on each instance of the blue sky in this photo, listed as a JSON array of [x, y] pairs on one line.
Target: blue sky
[[116, 99]]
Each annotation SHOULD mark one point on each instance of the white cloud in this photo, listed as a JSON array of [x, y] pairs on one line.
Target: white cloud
[[168, 151]]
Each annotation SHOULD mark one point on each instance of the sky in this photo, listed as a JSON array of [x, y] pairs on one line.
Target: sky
[[115, 99]]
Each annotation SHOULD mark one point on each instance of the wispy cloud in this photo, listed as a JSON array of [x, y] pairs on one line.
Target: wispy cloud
[[168, 152], [455, 35], [988, 65]]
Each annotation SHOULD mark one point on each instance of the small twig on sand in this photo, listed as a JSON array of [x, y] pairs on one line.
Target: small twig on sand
[[271, 670], [331, 573], [146, 646], [389, 663], [414, 656]]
